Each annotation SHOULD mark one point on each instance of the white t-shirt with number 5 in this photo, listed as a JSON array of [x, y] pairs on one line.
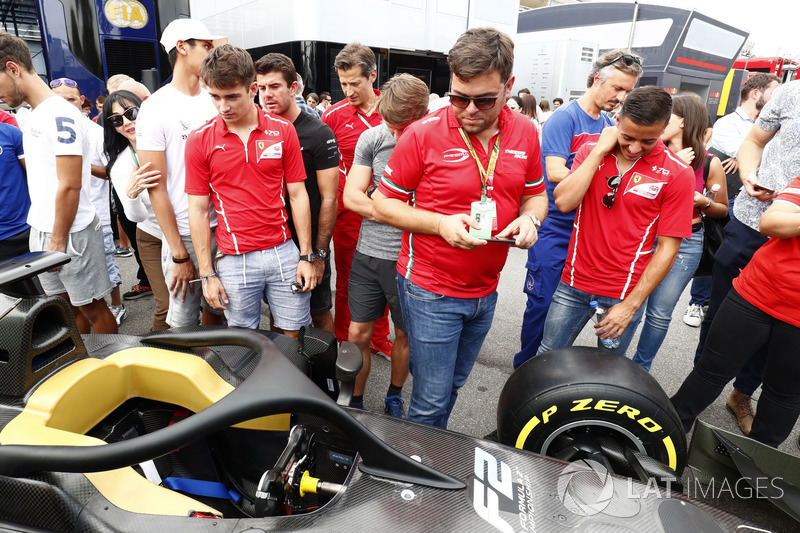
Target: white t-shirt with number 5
[[55, 128]]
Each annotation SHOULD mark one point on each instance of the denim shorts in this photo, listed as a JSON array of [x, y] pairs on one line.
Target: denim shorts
[[85, 277], [249, 277]]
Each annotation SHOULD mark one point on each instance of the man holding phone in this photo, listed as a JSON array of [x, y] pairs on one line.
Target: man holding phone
[[769, 158], [447, 278]]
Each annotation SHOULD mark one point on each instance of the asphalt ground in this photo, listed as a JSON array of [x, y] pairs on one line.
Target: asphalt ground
[[475, 411]]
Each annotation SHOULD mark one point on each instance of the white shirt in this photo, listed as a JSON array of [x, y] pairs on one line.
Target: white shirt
[[98, 187], [138, 209], [730, 130], [165, 121], [55, 128]]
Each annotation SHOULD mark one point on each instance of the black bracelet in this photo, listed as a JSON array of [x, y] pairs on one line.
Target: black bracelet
[[180, 261]]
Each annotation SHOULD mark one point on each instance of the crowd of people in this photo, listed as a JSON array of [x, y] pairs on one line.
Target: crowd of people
[[228, 204]]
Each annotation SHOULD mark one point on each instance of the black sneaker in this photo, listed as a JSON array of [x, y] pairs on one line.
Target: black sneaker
[[137, 291]]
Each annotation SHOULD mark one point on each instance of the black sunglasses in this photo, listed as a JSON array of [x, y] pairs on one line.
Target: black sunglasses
[[613, 184], [483, 102], [63, 81], [116, 120], [627, 58]]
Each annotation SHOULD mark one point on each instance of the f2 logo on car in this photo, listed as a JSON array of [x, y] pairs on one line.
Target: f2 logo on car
[[66, 133], [486, 500]]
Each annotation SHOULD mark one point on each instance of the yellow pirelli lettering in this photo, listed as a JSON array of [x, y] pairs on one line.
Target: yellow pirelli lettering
[[630, 411], [671, 455], [581, 405], [606, 405], [649, 424]]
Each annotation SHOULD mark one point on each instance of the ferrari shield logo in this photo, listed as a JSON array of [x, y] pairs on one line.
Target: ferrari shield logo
[[269, 149], [637, 178]]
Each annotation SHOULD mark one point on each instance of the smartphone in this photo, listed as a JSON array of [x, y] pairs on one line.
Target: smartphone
[[762, 188], [507, 241]]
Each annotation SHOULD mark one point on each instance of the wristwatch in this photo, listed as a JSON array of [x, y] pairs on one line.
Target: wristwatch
[[322, 254], [308, 257], [536, 222]]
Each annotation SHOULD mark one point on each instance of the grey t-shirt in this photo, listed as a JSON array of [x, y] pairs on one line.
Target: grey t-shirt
[[373, 150], [780, 162]]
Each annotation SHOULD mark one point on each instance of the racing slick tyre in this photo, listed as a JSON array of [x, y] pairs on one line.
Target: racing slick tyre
[[578, 402]]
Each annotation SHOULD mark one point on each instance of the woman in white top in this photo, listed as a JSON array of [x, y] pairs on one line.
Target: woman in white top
[[131, 183]]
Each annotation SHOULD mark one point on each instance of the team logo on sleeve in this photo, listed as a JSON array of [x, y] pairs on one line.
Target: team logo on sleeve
[[269, 149], [644, 186]]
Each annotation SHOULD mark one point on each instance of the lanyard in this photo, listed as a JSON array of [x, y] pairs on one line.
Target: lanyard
[[487, 175], [133, 153], [367, 124]]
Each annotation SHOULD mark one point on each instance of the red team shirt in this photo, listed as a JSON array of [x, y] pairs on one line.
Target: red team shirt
[[771, 280], [432, 168], [610, 248], [348, 123], [245, 183]]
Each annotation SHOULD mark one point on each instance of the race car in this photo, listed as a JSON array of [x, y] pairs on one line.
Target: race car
[[223, 429]]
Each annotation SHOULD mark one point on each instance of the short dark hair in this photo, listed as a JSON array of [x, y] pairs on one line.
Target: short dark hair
[[523, 91], [173, 54], [479, 51], [559, 100], [759, 81], [325, 94], [275, 62], [228, 66], [356, 55], [648, 106], [611, 60], [14, 49]]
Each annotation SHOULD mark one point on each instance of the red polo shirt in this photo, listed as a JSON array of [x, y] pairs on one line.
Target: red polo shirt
[[245, 182], [610, 248], [432, 167], [348, 123], [771, 280]]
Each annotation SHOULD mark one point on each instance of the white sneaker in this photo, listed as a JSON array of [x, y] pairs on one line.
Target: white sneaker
[[693, 316], [119, 312]]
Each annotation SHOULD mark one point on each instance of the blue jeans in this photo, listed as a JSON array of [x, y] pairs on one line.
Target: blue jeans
[[662, 300], [700, 291], [570, 312], [545, 263], [445, 335]]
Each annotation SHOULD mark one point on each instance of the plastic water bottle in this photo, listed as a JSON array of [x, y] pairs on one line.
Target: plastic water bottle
[[599, 312], [712, 193]]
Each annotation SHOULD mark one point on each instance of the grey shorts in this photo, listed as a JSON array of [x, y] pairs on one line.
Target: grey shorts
[[85, 277], [373, 284], [187, 312]]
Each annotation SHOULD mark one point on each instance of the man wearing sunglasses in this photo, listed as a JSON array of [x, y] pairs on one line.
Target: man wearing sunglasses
[[162, 127], [628, 188], [61, 216], [474, 153], [613, 75]]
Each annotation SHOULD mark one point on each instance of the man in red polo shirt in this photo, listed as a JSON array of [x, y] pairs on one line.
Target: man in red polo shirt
[[357, 70], [628, 189], [474, 156], [241, 159]]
